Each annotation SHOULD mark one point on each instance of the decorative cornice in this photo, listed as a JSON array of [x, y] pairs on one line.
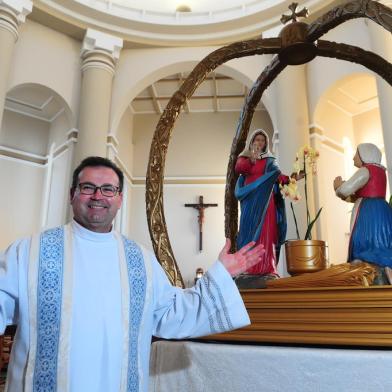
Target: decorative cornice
[[143, 28], [202, 180], [13, 13], [20, 8], [111, 146], [112, 139], [98, 59], [100, 50], [315, 129], [328, 142], [72, 135]]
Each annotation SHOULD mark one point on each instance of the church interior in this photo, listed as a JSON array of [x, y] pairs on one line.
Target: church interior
[[93, 77]]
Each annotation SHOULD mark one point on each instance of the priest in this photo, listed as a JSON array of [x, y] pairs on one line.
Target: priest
[[86, 300]]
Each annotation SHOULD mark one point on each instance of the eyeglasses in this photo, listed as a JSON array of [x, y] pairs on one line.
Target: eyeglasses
[[86, 188]]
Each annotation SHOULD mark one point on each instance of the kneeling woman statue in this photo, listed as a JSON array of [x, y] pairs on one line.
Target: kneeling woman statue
[[371, 219]]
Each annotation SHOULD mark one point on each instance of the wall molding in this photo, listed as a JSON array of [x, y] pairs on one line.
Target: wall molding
[[22, 156], [317, 132]]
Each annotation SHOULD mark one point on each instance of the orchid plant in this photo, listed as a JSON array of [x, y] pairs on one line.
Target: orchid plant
[[305, 163]]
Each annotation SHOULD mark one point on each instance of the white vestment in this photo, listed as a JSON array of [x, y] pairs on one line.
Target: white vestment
[[86, 305]]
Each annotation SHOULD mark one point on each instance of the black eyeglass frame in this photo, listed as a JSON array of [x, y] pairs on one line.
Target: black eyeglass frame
[[115, 189]]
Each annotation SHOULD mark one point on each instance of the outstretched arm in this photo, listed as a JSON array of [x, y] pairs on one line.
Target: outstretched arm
[[243, 259], [213, 305]]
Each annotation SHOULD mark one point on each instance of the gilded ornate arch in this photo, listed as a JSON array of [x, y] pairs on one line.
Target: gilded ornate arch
[[296, 44]]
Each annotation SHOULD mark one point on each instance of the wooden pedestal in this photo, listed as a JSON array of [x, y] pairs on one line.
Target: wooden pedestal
[[356, 316]]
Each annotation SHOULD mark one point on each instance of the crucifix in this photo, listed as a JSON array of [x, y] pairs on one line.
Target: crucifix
[[201, 207], [294, 14]]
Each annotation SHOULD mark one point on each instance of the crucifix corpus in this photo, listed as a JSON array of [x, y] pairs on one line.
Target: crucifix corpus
[[201, 207]]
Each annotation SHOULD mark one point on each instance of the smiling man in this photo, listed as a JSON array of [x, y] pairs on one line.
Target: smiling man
[[88, 300], [95, 207]]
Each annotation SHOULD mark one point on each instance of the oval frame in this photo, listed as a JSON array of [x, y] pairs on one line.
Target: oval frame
[[370, 9]]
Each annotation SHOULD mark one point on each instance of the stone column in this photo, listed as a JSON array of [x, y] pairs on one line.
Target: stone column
[[381, 42], [100, 53], [12, 14], [293, 132]]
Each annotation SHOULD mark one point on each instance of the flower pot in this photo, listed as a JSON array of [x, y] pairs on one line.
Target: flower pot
[[304, 256]]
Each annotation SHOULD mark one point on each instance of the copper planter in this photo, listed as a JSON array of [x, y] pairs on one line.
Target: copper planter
[[304, 256]]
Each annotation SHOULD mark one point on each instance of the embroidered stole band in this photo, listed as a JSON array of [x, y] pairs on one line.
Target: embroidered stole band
[[50, 310]]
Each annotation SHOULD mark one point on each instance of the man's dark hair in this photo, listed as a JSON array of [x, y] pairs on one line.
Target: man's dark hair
[[95, 162]]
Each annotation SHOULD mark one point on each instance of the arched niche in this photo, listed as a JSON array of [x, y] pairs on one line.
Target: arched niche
[[205, 140], [35, 116], [346, 114], [36, 142]]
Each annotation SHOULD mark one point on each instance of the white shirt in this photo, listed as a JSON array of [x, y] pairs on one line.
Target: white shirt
[[96, 312]]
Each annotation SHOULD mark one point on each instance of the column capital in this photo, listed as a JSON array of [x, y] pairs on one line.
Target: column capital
[[13, 13], [100, 50]]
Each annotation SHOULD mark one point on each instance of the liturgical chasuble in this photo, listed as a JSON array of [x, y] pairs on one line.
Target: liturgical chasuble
[[86, 305]]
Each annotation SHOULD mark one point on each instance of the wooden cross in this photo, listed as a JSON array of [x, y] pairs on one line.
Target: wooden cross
[[201, 207], [294, 14]]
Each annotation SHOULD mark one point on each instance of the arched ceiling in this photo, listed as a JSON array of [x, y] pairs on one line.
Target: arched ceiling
[[353, 95], [217, 94], [156, 22]]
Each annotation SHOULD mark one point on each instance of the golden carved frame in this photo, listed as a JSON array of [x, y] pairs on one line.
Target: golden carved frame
[[370, 9]]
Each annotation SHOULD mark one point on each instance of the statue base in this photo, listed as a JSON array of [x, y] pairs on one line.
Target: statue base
[[248, 281]]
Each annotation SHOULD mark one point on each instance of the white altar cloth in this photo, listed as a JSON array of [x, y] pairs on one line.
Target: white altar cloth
[[204, 367]]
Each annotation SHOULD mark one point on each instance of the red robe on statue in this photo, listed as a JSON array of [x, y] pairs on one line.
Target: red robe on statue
[[269, 232]]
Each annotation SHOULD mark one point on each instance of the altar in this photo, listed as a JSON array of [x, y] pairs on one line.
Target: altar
[[324, 339], [201, 367]]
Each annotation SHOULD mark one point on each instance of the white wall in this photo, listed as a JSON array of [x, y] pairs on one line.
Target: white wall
[[58, 203], [182, 224], [24, 133], [368, 128], [335, 216], [323, 72], [335, 124], [124, 136], [48, 58], [199, 148], [20, 199], [58, 130], [334, 221], [200, 143]]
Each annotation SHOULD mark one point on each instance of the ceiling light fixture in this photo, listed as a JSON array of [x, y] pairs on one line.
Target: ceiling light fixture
[[183, 8]]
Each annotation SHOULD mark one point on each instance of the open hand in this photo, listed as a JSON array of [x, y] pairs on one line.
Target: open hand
[[243, 259], [255, 153]]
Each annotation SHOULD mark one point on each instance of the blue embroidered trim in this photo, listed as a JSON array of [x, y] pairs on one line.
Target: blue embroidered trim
[[204, 286], [137, 286], [49, 298], [222, 300], [218, 305]]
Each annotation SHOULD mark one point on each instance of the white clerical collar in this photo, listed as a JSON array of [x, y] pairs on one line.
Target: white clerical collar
[[81, 231]]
